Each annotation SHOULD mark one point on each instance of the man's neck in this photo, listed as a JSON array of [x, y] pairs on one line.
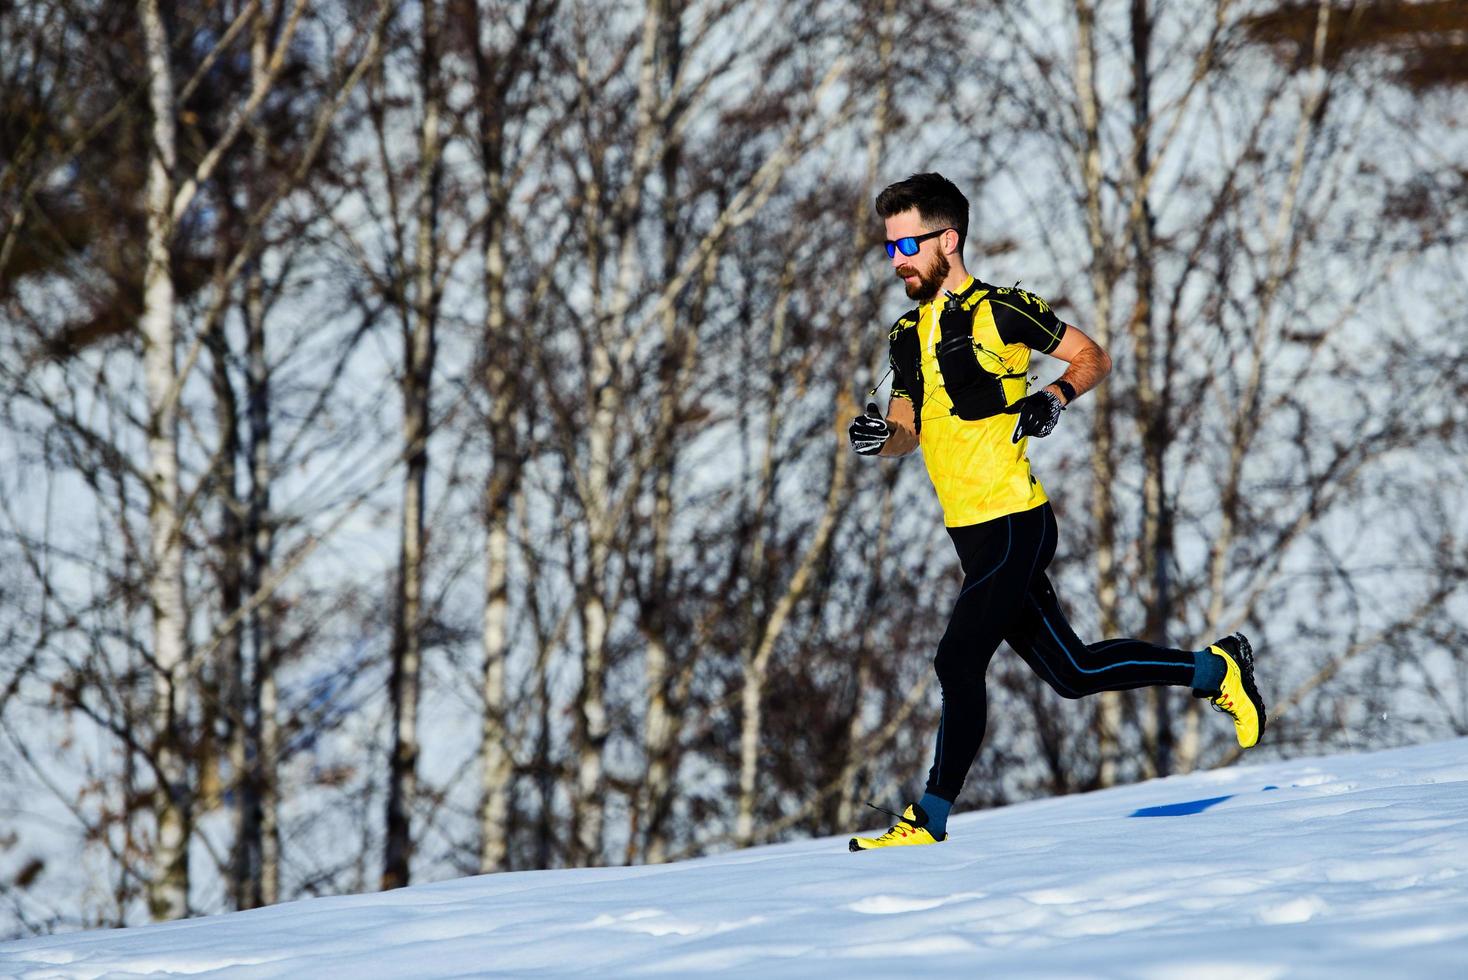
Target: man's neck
[[956, 279]]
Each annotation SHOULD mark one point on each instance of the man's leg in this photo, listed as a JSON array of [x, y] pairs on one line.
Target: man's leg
[[1223, 673], [999, 558], [1040, 633], [1043, 637]]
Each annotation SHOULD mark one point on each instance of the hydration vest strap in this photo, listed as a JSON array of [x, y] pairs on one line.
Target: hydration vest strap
[[970, 297], [975, 393]]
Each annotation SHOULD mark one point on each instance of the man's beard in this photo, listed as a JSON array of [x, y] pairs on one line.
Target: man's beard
[[928, 283]]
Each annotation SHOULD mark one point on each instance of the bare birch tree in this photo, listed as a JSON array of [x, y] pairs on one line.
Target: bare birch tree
[[420, 314], [505, 72], [169, 891]]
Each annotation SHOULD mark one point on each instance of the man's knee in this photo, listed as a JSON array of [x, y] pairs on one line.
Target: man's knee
[[960, 666], [957, 668], [1055, 669], [1062, 687]]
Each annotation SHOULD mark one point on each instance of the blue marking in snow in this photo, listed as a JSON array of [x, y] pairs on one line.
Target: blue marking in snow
[[1180, 809]]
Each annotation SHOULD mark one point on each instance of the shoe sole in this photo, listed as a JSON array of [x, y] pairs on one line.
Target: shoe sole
[[854, 847]]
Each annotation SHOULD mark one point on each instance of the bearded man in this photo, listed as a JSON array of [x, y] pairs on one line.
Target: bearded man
[[960, 364]]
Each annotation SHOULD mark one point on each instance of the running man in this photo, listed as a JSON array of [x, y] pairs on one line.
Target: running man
[[960, 363]]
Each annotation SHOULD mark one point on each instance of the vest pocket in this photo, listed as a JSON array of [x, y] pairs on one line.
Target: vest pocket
[[975, 393]]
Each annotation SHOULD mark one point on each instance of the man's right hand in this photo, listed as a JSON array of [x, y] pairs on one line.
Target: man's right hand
[[869, 432]]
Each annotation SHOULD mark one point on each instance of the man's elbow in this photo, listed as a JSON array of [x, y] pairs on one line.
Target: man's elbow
[[1094, 357]]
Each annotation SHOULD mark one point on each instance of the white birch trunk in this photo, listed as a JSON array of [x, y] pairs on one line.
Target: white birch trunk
[[1152, 416], [168, 890], [680, 341], [1103, 508], [659, 726], [497, 766], [592, 728]]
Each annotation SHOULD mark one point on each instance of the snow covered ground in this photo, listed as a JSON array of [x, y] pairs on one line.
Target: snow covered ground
[[1342, 866]]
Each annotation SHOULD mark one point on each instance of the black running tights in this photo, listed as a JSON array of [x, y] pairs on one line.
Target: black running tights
[[1006, 596]]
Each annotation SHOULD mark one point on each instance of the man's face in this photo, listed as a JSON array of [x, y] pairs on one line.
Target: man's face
[[921, 274]]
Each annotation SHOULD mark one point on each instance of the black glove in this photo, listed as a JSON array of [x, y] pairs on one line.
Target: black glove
[[869, 432], [1038, 414]]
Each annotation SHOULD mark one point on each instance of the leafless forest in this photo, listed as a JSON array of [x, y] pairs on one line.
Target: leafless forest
[[422, 424]]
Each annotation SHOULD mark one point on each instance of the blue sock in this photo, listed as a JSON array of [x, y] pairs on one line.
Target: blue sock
[[1209, 669], [937, 811]]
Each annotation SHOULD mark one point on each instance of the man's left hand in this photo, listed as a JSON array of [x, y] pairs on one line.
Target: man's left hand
[[1038, 414]]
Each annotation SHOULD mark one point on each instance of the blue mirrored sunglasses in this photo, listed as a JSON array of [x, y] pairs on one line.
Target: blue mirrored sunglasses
[[909, 245]]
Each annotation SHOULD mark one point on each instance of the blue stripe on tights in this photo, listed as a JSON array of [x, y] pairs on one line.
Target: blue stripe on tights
[[1126, 663], [1054, 677]]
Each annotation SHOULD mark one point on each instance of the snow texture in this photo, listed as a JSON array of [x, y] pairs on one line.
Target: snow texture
[[1349, 866]]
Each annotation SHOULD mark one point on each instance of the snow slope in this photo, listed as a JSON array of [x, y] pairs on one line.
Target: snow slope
[[1341, 866]]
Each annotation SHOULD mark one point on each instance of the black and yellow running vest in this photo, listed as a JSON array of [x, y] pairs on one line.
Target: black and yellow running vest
[[960, 376]]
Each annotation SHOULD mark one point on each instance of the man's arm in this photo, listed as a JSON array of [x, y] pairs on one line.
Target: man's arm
[[1087, 365], [904, 432]]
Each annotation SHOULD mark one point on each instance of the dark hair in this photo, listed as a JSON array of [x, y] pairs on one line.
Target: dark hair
[[939, 203]]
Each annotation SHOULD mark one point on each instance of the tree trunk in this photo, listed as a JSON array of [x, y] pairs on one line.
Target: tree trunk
[[1103, 506], [588, 812], [498, 765], [1153, 420], [168, 890], [231, 576], [250, 817], [680, 351], [660, 726], [419, 344], [501, 489]]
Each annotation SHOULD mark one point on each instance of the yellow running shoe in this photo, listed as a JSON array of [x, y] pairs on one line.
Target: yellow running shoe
[[911, 828], [1238, 696]]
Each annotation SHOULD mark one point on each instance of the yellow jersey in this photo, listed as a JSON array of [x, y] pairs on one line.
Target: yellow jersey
[[977, 471]]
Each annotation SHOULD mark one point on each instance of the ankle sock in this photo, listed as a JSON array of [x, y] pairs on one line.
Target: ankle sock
[[1209, 669], [937, 811]]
